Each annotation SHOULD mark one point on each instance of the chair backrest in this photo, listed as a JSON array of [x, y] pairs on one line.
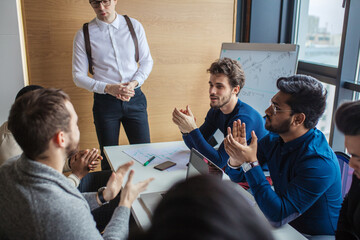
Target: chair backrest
[[346, 172]]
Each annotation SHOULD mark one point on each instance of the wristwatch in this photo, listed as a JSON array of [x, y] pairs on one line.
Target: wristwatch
[[101, 196], [247, 166]]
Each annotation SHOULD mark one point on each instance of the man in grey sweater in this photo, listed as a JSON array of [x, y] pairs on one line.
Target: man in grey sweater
[[36, 200]]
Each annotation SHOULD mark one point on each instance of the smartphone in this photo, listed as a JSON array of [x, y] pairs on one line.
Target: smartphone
[[165, 165]]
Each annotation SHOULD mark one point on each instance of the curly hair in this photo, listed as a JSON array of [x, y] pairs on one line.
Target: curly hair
[[230, 68]]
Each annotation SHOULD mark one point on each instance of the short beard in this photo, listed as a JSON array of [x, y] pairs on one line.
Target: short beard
[[285, 127], [220, 106], [71, 150]]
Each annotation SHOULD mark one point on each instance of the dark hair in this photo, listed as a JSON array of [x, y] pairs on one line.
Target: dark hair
[[307, 96], [27, 89], [36, 117], [204, 207], [230, 68], [347, 118]]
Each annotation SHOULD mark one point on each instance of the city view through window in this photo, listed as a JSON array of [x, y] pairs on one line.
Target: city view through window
[[320, 24]]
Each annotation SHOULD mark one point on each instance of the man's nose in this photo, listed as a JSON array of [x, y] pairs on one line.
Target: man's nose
[[268, 111]]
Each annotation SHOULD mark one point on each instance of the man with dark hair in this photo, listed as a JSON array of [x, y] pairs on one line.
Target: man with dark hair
[[36, 200], [226, 80], [304, 169], [121, 60], [79, 164], [347, 120]]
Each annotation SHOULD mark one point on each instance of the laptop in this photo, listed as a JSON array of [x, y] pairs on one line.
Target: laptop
[[198, 164]]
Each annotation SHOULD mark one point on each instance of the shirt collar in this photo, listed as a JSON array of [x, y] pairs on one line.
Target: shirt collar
[[296, 143], [116, 23]]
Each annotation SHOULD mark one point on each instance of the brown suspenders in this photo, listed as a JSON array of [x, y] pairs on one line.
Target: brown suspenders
[[88, 47], [133, 35]]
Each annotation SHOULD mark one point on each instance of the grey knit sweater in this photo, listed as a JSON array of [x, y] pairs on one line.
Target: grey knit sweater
[[37, 202]]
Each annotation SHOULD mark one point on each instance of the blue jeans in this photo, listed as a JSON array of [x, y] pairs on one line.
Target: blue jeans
[[109, 112]]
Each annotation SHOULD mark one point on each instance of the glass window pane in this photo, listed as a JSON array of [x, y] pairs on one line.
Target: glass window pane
[[357, 78], [319, 27], [324, 123]]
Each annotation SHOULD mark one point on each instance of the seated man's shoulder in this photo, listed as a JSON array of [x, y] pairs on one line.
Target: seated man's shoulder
[[319, 146]]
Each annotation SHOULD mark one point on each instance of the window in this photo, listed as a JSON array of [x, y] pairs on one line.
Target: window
[[324, 123], [320, 25], [357, 78]]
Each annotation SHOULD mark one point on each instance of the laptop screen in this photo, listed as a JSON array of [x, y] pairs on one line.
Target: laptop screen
[[198, 164]]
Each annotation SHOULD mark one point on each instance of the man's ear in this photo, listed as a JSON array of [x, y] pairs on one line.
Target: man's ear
[[59, 139], [299, 119], [236, 90]]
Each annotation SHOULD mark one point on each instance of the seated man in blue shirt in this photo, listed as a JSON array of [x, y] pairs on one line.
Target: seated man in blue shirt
[[304, 169], [226, 80]]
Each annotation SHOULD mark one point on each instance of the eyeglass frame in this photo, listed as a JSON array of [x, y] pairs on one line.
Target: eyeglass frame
[[274, 108], [98, 2]]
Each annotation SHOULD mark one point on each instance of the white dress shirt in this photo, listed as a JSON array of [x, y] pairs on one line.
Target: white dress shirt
[[113, 55]]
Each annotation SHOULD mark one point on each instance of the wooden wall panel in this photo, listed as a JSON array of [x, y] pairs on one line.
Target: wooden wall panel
[[184, 36]]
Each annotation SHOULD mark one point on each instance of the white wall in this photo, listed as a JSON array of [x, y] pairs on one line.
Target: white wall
[[11, 67]]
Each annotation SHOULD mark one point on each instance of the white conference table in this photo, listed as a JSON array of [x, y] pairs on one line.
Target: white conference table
[[164, 180]]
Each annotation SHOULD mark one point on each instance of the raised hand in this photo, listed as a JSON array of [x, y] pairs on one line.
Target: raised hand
[[115, 181], [236, 146], [238, 132], [184, 119], [131, 191]]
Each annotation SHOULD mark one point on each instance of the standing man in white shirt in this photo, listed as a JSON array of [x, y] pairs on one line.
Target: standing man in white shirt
[[119, 69]]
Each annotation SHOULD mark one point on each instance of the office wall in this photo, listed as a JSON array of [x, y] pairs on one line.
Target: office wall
[[11, 79], [184, 37]]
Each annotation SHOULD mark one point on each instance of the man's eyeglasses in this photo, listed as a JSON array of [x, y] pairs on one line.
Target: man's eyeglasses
[[96, 4], [277, 110]]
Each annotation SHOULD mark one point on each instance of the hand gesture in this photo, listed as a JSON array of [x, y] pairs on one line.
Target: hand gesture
[[236, 145], [115, 181], [131, 191], [127, 90], [84, 161], [122, 91], [184, 119]]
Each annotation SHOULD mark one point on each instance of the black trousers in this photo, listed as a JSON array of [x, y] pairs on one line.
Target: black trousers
[[109, 112]]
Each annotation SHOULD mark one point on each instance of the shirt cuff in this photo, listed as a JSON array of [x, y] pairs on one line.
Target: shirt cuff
[[232, 167], [74, 180], [255, 177], [67, 166]]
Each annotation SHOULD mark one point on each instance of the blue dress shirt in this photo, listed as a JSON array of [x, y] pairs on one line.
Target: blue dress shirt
[[307, 182]]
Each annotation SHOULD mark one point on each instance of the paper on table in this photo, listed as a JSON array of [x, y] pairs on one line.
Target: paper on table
[[178, 154]]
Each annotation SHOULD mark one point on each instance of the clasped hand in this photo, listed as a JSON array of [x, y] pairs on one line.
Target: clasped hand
[[236, 145], [122, 91], [184, 119], [84, 161]]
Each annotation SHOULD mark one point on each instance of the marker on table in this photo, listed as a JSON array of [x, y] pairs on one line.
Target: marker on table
[[149, 161]]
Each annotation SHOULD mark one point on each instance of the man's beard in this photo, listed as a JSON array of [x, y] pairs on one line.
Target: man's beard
[[72, 148], [220, 105], [283, 128]]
